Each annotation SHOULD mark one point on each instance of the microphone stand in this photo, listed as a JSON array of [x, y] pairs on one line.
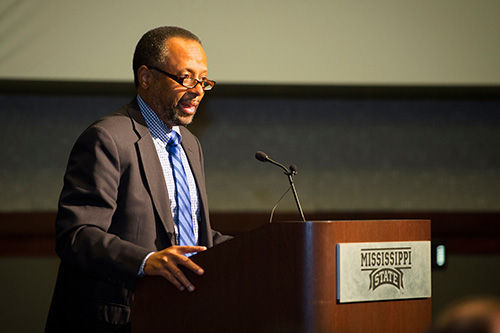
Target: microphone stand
[[292, 185], [293, 171]]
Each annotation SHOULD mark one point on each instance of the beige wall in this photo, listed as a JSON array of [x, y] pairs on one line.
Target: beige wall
[[261, 41]]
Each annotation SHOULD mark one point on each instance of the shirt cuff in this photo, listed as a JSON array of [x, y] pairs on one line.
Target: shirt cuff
[[141, 269]]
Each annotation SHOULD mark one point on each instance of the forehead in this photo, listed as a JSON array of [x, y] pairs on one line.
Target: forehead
[[186, 54]]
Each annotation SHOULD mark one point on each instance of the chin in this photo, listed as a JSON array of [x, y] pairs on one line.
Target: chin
[[184, 121]]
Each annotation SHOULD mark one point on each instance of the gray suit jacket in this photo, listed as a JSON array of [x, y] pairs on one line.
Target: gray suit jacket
[[113, 210]]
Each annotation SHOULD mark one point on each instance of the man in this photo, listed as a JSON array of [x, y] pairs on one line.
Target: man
[[121, 212]]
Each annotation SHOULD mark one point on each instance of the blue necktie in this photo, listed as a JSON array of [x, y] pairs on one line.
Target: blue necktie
[[184, 219]]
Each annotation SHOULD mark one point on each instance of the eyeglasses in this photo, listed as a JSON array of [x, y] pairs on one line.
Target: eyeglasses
[[187, 81]]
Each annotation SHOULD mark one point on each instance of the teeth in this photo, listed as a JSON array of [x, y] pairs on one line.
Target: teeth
[[188, 107]]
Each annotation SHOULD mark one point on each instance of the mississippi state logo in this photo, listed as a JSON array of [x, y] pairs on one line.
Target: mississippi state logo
[[386, 266], [374, 271]]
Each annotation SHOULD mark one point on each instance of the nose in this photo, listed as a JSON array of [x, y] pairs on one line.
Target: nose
[[198, 89]]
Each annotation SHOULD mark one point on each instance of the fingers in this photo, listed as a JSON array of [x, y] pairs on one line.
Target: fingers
[[189, 249], [166, 264], [191, 265], [173, 274], [188, 263]]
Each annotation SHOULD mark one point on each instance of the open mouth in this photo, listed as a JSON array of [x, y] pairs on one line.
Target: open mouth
[[188, 107]]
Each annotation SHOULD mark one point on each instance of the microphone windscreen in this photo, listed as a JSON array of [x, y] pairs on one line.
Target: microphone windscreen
[[261, 156]]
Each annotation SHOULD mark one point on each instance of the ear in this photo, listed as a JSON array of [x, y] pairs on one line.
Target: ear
[[144, 76]]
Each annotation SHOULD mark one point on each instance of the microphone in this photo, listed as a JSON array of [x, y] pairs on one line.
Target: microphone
[[261, 156]]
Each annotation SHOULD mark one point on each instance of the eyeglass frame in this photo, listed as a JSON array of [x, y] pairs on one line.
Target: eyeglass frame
[[180, 80]]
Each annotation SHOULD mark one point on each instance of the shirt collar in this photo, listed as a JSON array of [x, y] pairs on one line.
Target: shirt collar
[[158, 129]]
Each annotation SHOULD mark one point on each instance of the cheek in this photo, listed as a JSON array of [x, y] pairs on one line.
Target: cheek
[[168, 95], [172, 98]]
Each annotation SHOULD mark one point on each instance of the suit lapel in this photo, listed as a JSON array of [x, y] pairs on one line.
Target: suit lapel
[[153, 171], [188, 143]]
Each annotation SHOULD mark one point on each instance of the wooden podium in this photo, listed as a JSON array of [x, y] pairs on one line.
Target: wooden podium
[[280, 278]]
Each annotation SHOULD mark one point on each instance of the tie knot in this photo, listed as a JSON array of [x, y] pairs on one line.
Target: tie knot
[[175, 139]]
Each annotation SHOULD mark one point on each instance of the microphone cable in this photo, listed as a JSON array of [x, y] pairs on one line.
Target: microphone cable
[[275, 206]]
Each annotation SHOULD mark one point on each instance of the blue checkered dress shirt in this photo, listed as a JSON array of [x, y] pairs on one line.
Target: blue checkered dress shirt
[[161, 134]]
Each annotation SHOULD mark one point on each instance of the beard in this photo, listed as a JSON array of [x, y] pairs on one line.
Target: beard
[[172, 115]]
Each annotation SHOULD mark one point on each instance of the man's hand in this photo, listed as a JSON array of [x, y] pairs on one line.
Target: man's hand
[[165, 263]]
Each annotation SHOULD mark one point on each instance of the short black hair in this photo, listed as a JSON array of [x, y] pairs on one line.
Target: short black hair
[[151, 48]]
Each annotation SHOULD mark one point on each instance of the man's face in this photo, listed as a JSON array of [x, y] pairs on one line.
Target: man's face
[[175, 104]]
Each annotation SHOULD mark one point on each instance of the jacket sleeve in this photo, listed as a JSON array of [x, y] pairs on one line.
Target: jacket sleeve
[[86, 212]]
